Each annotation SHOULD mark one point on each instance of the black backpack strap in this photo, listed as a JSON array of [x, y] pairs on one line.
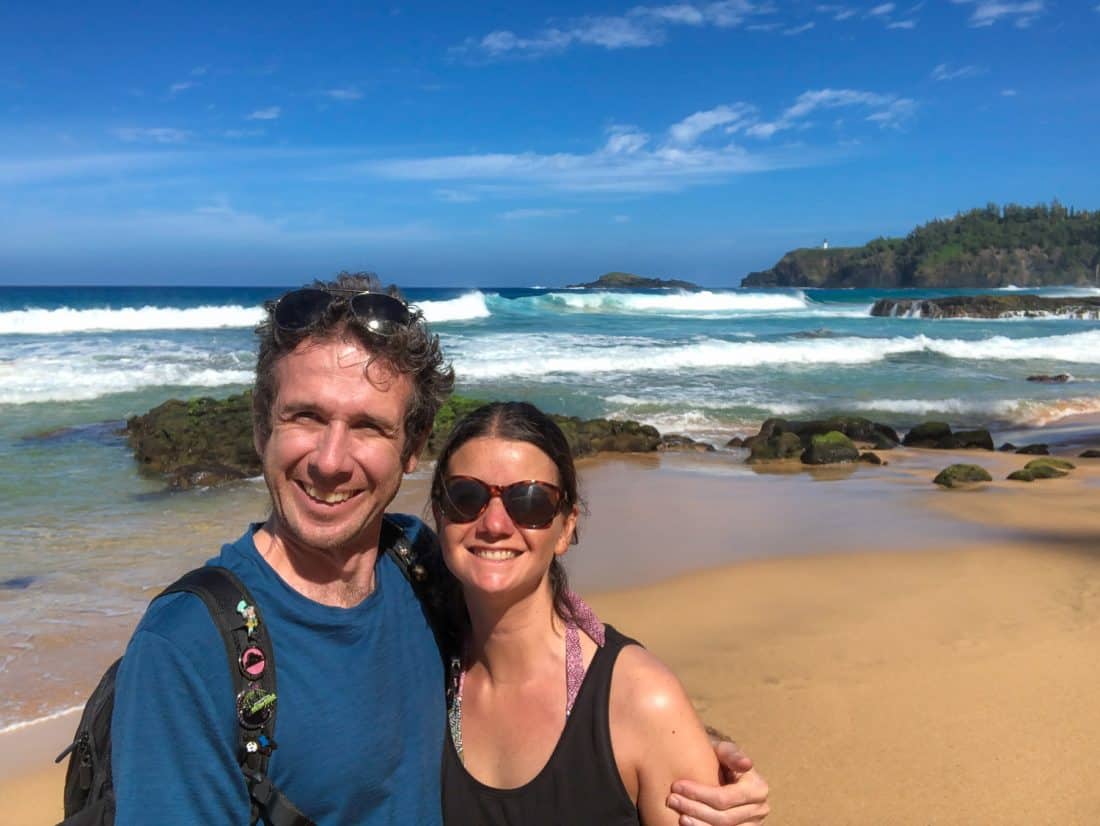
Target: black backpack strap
[[251, 661], [422, 564]]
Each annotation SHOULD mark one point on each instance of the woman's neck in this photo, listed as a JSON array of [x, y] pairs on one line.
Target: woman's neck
[[514, 641]]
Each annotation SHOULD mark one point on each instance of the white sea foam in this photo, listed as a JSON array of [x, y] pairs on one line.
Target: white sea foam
[[1037, 412], [464, 308], [82, 369], [537, 356], [68, 320], [22, 724], [702, 302]]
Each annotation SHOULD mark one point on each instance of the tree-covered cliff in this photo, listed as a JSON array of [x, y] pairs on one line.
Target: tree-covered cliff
[[990, 247]]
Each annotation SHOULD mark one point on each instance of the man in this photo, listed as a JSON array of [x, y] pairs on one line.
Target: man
[[348, 382]]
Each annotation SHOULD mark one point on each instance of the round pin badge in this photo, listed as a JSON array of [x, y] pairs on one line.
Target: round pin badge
[[254, 707], [253, 661]]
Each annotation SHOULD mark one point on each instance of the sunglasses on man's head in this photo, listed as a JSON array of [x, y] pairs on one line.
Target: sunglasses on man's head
[[530, 503], [299, 310]]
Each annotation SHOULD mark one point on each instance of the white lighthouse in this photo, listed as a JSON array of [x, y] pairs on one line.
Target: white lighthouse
[[825, 244]]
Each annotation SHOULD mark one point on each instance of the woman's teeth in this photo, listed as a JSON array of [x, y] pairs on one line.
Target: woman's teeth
[[495, 555]]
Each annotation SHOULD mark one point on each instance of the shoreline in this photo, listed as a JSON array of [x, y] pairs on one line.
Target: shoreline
[[789, 593]]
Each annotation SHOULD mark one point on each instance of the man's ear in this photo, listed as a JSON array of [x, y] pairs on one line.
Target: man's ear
[[414, 457], [258, 442]]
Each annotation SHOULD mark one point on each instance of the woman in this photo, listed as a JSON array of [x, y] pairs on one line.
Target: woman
[[556, 718]]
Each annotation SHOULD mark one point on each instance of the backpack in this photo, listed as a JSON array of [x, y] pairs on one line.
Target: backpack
[[89, 787]]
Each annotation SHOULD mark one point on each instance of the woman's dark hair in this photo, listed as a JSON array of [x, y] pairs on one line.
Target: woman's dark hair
[[518, 422]]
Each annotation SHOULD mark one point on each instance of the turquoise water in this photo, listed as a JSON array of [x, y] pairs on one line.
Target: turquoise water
[[85, 530]]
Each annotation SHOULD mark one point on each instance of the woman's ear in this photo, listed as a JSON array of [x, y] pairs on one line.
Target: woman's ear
[[568, 531]]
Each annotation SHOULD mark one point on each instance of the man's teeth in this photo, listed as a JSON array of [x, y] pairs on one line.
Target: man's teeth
[[333, 498], [495, 555]]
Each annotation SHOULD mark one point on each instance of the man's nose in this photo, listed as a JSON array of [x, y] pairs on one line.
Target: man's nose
[[332, 455]]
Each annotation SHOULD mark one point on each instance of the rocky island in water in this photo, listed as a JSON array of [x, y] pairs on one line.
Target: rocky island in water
[[629, 281]]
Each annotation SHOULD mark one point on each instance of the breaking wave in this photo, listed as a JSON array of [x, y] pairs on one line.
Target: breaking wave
[[128, 319], [493, 356]]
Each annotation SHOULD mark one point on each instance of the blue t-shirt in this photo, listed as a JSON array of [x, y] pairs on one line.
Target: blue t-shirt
[[361, 712]]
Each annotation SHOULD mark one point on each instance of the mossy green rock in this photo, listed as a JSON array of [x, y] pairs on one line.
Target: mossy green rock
[[830, 448], [960, 475], [1050, 461], [927, 434], [203, 441], [781, 445]]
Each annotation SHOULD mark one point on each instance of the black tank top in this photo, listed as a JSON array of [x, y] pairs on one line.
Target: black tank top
[[579, 785]]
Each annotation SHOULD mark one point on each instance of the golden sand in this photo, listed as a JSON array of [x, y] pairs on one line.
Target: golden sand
[[912, 656]]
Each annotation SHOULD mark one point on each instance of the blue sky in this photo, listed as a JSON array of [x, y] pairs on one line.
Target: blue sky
[[526, 143]]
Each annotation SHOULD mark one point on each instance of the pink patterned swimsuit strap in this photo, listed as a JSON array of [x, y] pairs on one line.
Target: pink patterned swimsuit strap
[[583, 618]]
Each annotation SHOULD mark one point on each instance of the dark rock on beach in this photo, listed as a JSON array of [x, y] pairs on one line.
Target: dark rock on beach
[[830, 448], [1034, 450], [675, 442], [1091, 453], [736, 441], [961, 475], [991, 306], [1060, 378], [871, 458], [206, 442], [203, 441], [17, 583], [780, 439], [939, 436], [1046, 468], [1007, 447]]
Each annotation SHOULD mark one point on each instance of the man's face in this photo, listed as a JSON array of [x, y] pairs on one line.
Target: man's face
[[333, 460]]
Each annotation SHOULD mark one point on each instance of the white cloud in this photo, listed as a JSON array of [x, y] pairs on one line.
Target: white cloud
[[182, 86], [199, 71], [895, 115], [838, 13], [641, 27], [38, 170], [625, 140], [346, 93], [693, 152], [944, 71], [881, 10], [902, 24], [526, 214], [889, 110], [805, 27], [235, 134], [693, 126], [152, 135], [988, 12], [1011, 93], [270, 113], [620, 219]]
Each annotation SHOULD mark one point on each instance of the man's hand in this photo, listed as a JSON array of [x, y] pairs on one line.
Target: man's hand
[[742, 800]]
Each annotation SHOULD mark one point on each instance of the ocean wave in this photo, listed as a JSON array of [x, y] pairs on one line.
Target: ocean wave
[[1036, 412], [82, 370], [492, 357], [704, 302], [127, 319], [22, 724], [464, 308]]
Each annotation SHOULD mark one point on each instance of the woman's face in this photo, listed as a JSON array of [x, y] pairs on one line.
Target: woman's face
[[492, 555]]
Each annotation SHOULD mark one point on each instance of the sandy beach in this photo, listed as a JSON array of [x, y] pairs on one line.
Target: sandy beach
[[888, 652]]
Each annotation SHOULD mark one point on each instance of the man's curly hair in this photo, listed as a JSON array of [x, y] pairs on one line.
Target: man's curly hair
[[411, 350]]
